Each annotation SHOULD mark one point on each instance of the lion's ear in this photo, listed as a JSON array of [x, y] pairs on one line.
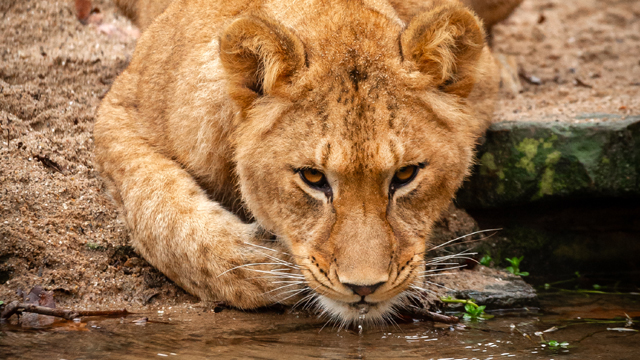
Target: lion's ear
[[446, 43], [259, 56]]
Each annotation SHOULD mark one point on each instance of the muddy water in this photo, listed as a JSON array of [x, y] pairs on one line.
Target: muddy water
[[581, 321]]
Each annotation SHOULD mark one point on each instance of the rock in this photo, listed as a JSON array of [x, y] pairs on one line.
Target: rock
[[525, 161], [453, 223], [497, 289], [492, 287]]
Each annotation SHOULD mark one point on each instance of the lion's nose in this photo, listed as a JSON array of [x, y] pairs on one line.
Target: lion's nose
[[363, 290]]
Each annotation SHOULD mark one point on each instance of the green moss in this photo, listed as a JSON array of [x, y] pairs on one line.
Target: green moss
[[545, 185], [529, 147], [487, 164], [489, 167], [525, 161], [548, 144], [488, 160], [553, 158]]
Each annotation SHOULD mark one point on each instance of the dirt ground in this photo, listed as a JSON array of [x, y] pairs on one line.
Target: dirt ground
[[575, 57], [57, 227]]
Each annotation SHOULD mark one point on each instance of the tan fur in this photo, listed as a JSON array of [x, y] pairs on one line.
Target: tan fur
[[200, 138]]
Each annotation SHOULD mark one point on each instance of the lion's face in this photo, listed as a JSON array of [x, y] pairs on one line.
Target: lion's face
[[350, 164], [354, 187]]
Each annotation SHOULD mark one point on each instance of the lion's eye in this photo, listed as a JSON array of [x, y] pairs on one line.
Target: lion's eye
[[403, 176], [406, 173], [315, 179], [312, 176]]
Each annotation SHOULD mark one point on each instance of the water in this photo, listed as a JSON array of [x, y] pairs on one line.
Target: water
[[268, 335]]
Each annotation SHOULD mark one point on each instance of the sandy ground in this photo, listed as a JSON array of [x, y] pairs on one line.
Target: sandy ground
[[582, 55], [57, 227], [59, 230]]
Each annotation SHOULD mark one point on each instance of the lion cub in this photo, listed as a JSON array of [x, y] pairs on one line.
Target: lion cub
[[276, 151]]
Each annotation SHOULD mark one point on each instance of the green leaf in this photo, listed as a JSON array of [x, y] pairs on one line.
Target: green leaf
[[524, 273], [511, 269], [486, 260], [470, 309], [515, 261]]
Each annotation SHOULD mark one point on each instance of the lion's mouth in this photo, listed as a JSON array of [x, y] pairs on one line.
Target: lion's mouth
[[362, 311], [362, 306]]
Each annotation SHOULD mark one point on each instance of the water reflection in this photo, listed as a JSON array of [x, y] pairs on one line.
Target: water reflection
[[233, 334]]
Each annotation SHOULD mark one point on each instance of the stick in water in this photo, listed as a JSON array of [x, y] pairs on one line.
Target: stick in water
[[18, 307]]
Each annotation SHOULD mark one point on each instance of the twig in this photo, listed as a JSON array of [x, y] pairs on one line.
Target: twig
[[578, 82], [429, 315], [18, 307], [585, 291], [48, 163], [531, 79]]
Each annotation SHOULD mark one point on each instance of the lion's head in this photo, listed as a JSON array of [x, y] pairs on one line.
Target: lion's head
[[351, 143]]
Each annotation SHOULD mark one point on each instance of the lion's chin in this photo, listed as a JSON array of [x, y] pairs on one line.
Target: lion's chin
[[345, 314]]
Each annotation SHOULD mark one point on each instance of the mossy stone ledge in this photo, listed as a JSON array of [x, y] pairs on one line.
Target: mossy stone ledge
[[529, 161]]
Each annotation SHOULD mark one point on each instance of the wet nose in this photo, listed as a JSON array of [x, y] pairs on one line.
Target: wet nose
[[363, 290]]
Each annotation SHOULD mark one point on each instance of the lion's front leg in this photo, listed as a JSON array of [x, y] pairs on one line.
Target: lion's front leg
[[197, 243]]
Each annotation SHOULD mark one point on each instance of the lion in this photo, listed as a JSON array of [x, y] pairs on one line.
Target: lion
[[270, 151]]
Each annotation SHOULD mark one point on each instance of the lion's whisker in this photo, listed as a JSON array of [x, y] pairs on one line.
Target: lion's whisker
[[295, 292], [245, 265], [439, 274], [422, 289], [465, 252], [311, 302], [445, 269], [280, 261], [327, 323], [270, 249], [276, 273], [440, 264], [280, 269], [282, 287], [303, 300], [462, 237], [436, 284]]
